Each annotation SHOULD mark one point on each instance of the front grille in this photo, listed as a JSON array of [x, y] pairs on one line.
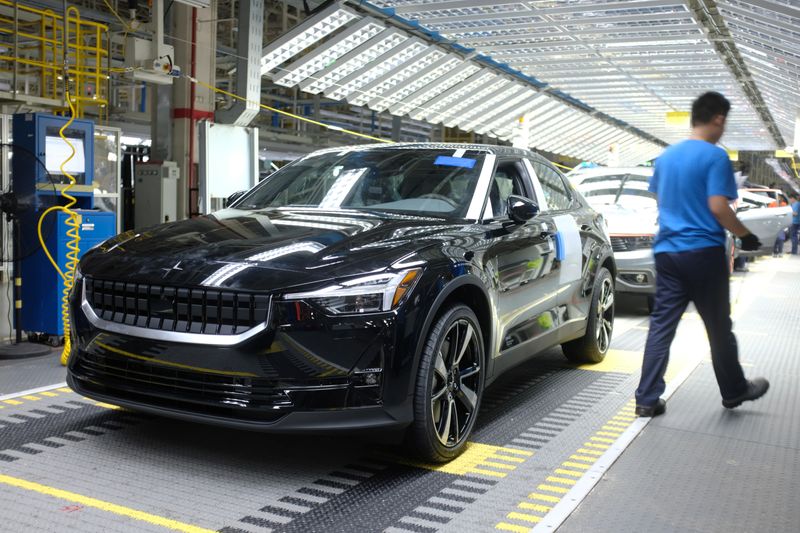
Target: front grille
[[126, 376], [630, 244], [185, 310]]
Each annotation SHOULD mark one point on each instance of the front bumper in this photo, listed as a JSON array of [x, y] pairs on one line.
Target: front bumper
[[304, 372], [631, 266]]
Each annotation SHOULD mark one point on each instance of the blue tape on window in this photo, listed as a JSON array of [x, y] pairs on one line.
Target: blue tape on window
[[560, 253], [446, 161]]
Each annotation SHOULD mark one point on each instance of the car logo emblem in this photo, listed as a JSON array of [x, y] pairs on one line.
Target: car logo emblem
[[168, 270]]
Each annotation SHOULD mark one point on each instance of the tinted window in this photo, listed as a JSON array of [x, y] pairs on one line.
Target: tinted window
[[555, 189], [424, 182], [506, 181]]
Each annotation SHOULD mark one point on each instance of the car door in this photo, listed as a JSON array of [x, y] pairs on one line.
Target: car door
[[579, 240], [520, 262]]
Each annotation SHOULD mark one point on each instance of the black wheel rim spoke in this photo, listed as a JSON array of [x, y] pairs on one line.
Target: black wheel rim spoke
[[456, 382]]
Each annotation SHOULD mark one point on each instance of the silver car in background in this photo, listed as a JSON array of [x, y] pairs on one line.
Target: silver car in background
[[631, 214], [765, 212]]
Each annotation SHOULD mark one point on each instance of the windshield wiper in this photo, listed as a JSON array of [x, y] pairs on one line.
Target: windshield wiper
[[622, 183]]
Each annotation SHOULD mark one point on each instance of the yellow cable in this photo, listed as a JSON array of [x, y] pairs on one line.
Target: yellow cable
[[285, 113], [73, 222], [794, 168]]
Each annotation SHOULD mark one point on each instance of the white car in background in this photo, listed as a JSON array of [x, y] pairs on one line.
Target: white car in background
[[631, 214]]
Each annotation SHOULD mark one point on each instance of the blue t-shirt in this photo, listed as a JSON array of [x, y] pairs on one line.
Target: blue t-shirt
[[796, 212], [685, 176]]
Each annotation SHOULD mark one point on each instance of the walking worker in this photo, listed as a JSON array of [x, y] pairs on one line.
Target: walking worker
[[795, 221], [693, 181]]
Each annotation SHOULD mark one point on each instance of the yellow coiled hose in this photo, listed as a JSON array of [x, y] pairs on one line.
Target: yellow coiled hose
[[73, 222]]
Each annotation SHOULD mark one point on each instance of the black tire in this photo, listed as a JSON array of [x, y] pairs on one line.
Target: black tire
[[461, 391], [593, 346]]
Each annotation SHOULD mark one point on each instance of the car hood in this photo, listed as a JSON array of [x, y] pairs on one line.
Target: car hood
[[622, 220], [266, 249]]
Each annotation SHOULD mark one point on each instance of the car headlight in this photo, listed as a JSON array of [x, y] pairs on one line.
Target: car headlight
[[368, 294]]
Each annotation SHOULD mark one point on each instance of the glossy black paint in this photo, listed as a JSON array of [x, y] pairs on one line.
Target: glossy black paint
[[309, 370]]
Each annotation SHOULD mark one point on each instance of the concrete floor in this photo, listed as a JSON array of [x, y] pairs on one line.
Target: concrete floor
[[68, 463]]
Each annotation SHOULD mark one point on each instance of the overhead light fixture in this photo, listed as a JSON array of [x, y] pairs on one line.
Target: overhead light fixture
[[450, 115], [362, 55], [348, 85], [328, 52], [514, 90], [301, 37], [453, 95], [436, 86], [397, 75], [421, 78]]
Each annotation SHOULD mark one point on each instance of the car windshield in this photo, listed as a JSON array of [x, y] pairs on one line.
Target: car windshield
[[626, 190], [426, 182]]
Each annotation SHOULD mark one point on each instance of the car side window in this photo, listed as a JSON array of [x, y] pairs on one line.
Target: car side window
[[556, 191], [507, 180]]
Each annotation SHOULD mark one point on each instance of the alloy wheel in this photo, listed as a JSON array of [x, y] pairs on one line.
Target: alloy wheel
[[605, 315], [456, 381]]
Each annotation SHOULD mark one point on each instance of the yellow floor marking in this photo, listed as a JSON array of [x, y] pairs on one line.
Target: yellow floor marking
[[12, 402], [602, 439], [64, 389], [102, 505], [543, 497], [551, 488], [512, 527], [475, 455], [501, 466], [534, 507], [509, 459], [624, 361], [487, 472], [106, 405], [614, 424], [583, 458], [593, 445], [609, 433], [576, 465], [590, 452], [568, 472], [563, 481], [515, 451], [48, 394], [525, 517], [31, 397]]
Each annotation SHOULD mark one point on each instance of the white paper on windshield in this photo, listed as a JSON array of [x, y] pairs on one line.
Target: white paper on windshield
[[571, 241]]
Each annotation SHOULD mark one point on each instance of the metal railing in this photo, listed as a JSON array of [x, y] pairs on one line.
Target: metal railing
[[37, 48]]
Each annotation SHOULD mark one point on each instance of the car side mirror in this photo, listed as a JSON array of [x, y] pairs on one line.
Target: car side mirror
[[521, 209], [233, 197]]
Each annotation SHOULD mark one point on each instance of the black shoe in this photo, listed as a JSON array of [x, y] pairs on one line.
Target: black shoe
[[654, 410], [756, 388]]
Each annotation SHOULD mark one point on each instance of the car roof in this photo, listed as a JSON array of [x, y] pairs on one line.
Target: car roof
[[506, 151]]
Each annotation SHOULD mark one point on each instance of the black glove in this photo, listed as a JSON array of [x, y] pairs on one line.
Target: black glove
[[750, 243]]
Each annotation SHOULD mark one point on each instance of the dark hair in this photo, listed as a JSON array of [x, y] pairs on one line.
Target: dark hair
[[707, 106]]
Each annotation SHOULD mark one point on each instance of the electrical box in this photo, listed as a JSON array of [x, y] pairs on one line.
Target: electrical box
[[156, 193], [42, 287]]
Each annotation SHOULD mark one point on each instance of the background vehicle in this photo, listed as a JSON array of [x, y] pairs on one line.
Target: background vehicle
[[366, 287], [765, 212], [631, 212]]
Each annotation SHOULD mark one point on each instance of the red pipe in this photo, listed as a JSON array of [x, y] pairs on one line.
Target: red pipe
[[191, 174]]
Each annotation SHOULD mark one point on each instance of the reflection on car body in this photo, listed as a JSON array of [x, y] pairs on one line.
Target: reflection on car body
[[361, 287]]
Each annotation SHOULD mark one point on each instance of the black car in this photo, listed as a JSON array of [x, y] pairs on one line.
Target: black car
[[362, 287]]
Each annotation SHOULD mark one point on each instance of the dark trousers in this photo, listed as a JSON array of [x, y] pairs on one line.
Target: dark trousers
[[794, 231], [699, 276]]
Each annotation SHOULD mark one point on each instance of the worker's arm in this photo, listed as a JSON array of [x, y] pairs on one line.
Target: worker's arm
[[722, 211]]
